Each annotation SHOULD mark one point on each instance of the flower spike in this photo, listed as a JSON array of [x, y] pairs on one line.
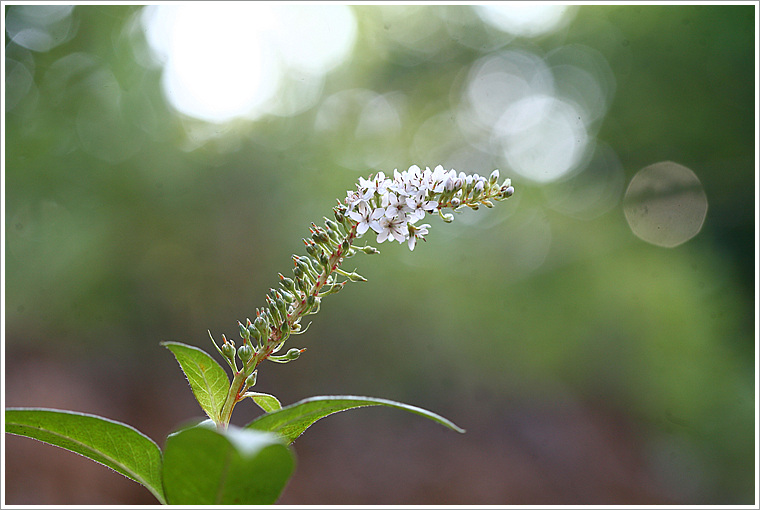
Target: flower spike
[[389, 207]]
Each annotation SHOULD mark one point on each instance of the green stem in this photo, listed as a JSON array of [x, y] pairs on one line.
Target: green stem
[[233, 396]]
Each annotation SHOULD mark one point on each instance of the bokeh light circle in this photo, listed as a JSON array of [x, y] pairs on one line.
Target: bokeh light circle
[[229, 60], [665, 204], [543, 137], [528, 19]]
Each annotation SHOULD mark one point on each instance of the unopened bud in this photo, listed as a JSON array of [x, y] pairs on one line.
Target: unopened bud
[[447, 217], [312, 248], [251, 380], [281, 306], [284, 330], [331, 225], [255, 334], [333, 235], [293, 353], [369, 250], [244, 333], [245, 352], [228, 349], [289, 356], [355, 277], [261, 326]]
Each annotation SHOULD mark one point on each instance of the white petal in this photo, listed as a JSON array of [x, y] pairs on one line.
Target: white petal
[[399, 236]]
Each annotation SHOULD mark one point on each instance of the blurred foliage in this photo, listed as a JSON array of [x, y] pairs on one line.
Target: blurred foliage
[[128, 224]]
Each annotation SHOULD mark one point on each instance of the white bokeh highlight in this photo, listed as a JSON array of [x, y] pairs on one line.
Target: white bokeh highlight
[[244, 60]]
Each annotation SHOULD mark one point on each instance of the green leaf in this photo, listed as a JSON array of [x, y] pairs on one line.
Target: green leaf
[[268, 403], [113, 444], [207, 378], [205, 466], [291, 421]]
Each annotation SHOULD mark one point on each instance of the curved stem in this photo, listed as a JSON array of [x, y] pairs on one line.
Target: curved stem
[[234, 394]]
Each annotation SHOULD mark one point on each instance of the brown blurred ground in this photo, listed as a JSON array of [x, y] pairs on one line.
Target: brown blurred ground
[[558, 452]]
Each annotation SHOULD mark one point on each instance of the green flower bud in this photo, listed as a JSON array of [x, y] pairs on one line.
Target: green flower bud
[[291, 355], [331, 225], [244, 333], [312, 304], [274, 312], [261, 326], [356, 277], [309, 266], [294, 353], [313, 250], [286, 282], [335, 288], [251, 380], [340, 215], [369, 250], [255, 335], [285, 330], [333, 235], [245, 352], [228, 349], [287, 296], [281, 306], [320, 237]]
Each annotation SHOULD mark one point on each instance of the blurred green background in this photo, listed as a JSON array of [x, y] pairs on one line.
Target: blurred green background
[[587, 365]]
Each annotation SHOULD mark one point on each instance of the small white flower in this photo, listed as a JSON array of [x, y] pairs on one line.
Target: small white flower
[[435, 180], [418, 206], [368, 187], [352, 198], [381, 183], [390, 227], [395, 206], [417, 232], [408, 182], [365, 189], [364, 215]]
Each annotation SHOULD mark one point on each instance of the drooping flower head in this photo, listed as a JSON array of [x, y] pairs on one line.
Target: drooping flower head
[[391, 207]]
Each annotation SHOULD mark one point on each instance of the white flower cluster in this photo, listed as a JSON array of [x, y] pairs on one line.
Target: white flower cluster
[[392, 207]]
